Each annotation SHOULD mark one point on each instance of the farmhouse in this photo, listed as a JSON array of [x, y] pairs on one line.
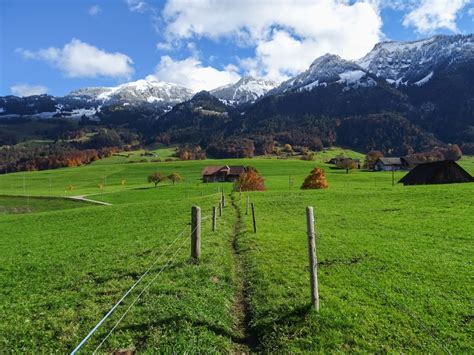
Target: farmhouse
[[222, 173], [388, 164], [438, 172]]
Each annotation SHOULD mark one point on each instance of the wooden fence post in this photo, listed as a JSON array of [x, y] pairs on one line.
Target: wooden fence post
[[253, 218], [240, 193], [220, 209], [313, 262], [223, 199], [247, 205], [196, 232], [214, 218]]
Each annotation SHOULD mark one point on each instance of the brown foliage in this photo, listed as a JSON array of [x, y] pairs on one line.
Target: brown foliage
[[371, 158], [156, 178], [175, 177], [315, 180], [250, 181]]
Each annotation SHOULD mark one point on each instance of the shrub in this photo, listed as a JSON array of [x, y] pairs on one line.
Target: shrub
[[371, 158], [288, 148], [315, 180], [156, 178], [250, 181], [175, 177], [347, 164]]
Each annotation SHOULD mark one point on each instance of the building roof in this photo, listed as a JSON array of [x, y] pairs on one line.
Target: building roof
[[228, 170], [390, 161], [438, 172], [236, 170], [411, 160], [210, 170]]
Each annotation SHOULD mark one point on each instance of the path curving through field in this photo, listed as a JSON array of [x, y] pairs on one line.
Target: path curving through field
[[85, 199]]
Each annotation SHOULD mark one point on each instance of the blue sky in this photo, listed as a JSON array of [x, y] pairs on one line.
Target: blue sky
[[55, 46]]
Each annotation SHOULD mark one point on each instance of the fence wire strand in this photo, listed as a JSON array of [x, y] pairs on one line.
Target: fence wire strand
[[109, 313], [147, 286]]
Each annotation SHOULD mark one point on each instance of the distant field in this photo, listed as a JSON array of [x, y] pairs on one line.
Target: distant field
[[20, 204], [395, 272]]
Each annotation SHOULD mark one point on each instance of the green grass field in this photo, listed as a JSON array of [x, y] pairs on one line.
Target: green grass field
[[395, 262]]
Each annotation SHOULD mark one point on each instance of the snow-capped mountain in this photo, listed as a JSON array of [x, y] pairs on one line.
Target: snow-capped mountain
[[326, 70], [136, 92], [246, 90], [415, 62]]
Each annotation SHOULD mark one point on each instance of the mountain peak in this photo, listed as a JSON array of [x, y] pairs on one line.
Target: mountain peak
[[325, 70], [408, 62], [248, 89], [150, 90]]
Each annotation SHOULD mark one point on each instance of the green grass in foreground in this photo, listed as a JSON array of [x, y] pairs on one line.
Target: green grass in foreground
[[395, 263]]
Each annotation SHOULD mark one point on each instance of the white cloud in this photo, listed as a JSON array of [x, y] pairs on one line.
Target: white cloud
[[137, 5], [82, 60], [287, 35], [164, 46], [471, 12], [94, 10], [28, 90], [191, 73], [431, 15]]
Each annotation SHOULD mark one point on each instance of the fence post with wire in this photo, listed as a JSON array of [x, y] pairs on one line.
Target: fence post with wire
[[195, 252], [196, 232]]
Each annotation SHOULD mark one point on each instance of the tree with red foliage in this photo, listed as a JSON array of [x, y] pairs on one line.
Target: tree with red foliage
[[250, 181], [315, 180]]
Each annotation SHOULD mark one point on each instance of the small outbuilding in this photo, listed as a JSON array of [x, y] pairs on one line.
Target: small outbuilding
[[438, 172], [388, 164], [224, 173]]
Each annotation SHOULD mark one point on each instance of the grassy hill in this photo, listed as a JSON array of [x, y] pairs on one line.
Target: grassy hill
[[395, 262]]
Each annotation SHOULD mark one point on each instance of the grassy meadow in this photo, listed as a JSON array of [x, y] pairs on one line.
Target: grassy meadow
[[395, 262]]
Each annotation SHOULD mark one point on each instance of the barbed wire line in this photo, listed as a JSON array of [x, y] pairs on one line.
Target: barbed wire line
[[107, 315], [147, 286]]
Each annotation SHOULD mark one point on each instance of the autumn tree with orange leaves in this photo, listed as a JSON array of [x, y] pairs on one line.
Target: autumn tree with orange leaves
[[315, 180], [250, 181]]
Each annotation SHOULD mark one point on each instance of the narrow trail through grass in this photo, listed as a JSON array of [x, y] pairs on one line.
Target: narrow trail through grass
[[248, 341]]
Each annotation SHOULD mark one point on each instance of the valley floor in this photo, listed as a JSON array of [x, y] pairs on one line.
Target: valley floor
[[395, 262]]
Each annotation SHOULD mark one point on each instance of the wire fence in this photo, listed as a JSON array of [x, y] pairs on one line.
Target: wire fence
[[135, 285], [170, 258]]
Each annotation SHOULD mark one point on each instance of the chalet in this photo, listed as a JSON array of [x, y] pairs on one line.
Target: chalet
[[222, 173], [438, 172], [388, 164]]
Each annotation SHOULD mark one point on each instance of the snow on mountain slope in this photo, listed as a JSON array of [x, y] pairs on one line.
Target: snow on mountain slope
[[136, 92], [246, 90], [326, 70], [410, 62]]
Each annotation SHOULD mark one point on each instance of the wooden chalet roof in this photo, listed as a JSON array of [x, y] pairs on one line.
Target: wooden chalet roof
[[438, 172], [211, 170], [236, 170], [226, 169], [390, 161], [411, 160]]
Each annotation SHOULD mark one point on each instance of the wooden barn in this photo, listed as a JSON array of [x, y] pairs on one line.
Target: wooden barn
[[438, 172], [222, 173], [388, 164]]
